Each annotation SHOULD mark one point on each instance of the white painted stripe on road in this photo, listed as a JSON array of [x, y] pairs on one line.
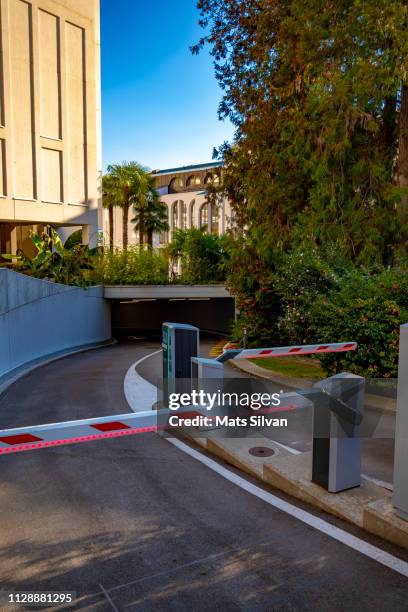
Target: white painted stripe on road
[[139, 393], [361, 546]]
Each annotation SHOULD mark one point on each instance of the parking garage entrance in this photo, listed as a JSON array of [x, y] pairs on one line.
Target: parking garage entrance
[[142, 309]]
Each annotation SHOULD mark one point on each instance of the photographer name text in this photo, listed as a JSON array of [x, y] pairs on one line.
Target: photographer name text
[[258, 420]]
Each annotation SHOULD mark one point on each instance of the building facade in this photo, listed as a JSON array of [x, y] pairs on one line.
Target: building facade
[[50, 124], [183, 190]]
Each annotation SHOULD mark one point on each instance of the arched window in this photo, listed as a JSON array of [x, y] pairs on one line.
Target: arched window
[[175, 215], [203, 218], [183, 214], [175, 184], [191, 213], [193, 181], [215, 219]]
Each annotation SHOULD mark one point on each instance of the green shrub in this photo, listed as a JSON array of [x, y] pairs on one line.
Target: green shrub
[[275, 308], [301, 279], [133, 266], [368, 309], [53, 261], [75, 239], [202, 256], [310, 297]]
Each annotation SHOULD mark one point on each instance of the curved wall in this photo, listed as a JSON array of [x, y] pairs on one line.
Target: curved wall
[[40, 318]]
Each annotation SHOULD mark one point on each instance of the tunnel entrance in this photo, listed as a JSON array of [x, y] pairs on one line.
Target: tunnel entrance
[[145, 316]]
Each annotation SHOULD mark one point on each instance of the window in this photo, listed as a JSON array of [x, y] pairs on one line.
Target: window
[[192, 211], [203, 215], [183, 208], [179, 214], [193, 181], [215, 219], [174, 215], [175, 184]]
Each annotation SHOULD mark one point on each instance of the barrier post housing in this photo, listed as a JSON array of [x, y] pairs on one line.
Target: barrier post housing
[[337, 440], [401, 430]]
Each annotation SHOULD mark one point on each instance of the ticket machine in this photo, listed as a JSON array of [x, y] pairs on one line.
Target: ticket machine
[[180, 342]]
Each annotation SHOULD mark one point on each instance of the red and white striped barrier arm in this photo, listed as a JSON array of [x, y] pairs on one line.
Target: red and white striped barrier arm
[[72, 432], [306, 349], [87, 430], [286, 351]]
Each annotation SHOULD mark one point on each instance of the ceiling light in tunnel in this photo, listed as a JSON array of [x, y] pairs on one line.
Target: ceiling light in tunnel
[[136, 301]]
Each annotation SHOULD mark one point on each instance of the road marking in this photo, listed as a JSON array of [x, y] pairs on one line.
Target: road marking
[[217, 349], [139, 393], [109, 599], [361, 546]]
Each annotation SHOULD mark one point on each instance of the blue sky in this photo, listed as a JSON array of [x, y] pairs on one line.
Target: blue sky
[[159, 102]]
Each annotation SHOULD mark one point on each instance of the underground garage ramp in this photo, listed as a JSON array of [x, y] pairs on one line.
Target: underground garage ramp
[[138, 310]]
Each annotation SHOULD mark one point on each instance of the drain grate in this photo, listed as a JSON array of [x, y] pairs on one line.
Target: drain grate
[[261, 451]]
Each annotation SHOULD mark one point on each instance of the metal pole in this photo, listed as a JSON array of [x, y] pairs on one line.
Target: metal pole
[[245, 338], [401, 430]]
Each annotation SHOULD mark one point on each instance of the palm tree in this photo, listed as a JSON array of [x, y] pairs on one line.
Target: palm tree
[[157, 220], [126, 184], [109, 203], [140, 208], [150, 213]]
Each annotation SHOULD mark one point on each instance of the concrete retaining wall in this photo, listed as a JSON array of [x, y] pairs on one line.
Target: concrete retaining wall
[[39, 318]]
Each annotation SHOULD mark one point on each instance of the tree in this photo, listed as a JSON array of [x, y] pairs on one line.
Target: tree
[[109, 202], [150, 214], [124, 185], [203, 256], [318, 93], [402, 163], [157, 220]]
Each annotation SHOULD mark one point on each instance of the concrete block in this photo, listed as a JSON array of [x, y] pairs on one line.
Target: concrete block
[[292, 475], [380, 518], [236, 452], [198, 438]]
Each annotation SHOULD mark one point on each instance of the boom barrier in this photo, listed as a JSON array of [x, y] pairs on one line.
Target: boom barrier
[[286, 351]]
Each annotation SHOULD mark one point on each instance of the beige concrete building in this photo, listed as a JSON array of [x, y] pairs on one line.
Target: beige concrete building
[[183, 190], [50, 124]]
